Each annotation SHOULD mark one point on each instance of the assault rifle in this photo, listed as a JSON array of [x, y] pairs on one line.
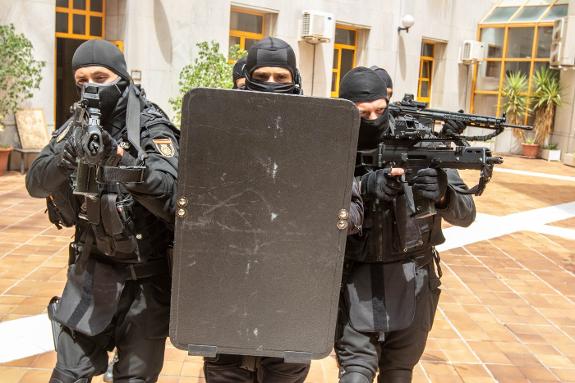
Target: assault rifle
[[86, 123], [413, 144]]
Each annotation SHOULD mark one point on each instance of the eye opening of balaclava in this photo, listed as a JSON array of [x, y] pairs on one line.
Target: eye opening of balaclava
[[272, 52], [364, 85], [105, 54]]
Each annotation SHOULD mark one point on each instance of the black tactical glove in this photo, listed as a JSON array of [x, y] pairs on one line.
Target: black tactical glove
[[453, 128], [381, 185], [106, 156], [431, 183], [110, 153], [67, 158]]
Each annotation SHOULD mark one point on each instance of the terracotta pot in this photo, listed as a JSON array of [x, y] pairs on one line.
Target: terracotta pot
[[4, 155], [530, 150]]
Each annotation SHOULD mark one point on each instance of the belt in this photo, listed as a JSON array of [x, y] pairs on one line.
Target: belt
[[137, 271]]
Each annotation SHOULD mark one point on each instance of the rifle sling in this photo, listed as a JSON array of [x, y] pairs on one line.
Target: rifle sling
[[122, 174]]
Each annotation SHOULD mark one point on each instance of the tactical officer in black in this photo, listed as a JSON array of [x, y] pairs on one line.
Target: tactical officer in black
[[390, 288], [118, 289], [238, 74], [270, 67]]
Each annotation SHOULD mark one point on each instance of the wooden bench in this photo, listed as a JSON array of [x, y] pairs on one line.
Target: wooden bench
[[32, 132]]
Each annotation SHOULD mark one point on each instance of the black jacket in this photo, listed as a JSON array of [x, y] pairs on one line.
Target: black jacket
[[149, 206], [129, 232]]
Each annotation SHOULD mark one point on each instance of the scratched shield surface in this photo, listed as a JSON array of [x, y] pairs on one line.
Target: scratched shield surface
[[258, 255]]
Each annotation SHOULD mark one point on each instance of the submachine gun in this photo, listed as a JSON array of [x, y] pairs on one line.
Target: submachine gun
[[88, 130], [414, 144]]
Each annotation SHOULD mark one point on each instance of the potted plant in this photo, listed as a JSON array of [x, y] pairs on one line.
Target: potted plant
[[546, 98], [515, 101], [4, 156], [530, 148], [550, 152]]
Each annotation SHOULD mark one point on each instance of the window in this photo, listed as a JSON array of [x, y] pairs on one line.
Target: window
[[513, 48], [246, 28], [344, 55], [425, 72], [527, 11], [80, 19]]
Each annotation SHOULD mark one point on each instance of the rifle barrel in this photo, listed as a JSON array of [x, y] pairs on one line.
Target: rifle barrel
[[522, 127]]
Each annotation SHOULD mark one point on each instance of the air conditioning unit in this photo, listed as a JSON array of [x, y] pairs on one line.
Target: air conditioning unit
[[471, 52], [317, 27], [563, 44]]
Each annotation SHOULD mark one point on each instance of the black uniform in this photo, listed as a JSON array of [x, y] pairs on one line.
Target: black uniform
[[390, 295], [227, 368], [118, 289]]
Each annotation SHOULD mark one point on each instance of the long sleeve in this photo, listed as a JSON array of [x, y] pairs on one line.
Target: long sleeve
[[460, 209], [157, 192], [44, 177], [355, 210]]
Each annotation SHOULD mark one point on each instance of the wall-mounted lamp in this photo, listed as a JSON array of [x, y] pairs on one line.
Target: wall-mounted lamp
[[407, 22], [136, 75]]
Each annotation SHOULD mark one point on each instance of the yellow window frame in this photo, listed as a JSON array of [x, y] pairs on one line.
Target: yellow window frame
[[422, 61], [337, 47], [504, 59], [70, 12], [243, 35]]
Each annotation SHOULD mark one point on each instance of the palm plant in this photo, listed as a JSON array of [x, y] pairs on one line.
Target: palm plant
[[547, 97], [515, 104]]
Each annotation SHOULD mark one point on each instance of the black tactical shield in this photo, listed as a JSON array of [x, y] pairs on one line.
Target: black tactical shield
[[258, 255]]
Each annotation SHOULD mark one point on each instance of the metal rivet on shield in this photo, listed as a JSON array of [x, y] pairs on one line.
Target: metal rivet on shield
[[342, 224], [138, 236], [181, 213], [343, 215], [182, 202]]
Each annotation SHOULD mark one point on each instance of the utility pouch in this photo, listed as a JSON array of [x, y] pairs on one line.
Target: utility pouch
[[56, 327], [61, 209], [408, 230]]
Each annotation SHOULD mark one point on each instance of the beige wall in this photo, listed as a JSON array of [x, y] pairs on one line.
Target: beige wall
[[564, 129], [160, 48], [160, 37]]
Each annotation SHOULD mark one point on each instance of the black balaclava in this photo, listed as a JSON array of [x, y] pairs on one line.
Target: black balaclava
[[238, 71], [106, 54], [272, 52], [364, 85], [382, 73]]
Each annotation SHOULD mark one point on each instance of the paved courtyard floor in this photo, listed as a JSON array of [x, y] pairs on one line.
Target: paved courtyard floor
[[506, 314]]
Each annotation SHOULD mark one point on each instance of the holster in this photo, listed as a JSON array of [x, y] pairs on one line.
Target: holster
[[56, 327]]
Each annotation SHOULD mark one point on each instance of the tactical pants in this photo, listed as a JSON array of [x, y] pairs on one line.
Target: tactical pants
[[227, 368], [138, 331], [395, 353]]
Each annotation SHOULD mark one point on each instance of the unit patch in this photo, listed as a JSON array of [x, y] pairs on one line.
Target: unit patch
[[165, 147]]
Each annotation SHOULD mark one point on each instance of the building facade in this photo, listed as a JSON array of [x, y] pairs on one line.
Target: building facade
[[159, 37]]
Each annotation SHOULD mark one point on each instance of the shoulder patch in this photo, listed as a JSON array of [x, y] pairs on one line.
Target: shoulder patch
[[165, 146], [63, 133]]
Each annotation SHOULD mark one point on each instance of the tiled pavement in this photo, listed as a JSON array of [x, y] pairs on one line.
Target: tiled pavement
[[507, 310]]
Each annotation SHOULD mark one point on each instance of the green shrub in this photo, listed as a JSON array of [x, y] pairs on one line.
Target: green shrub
[[210, 69], [20, 74]]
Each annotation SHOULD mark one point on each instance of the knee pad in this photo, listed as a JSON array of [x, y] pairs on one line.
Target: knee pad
[[356, 375], [62, 377]]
